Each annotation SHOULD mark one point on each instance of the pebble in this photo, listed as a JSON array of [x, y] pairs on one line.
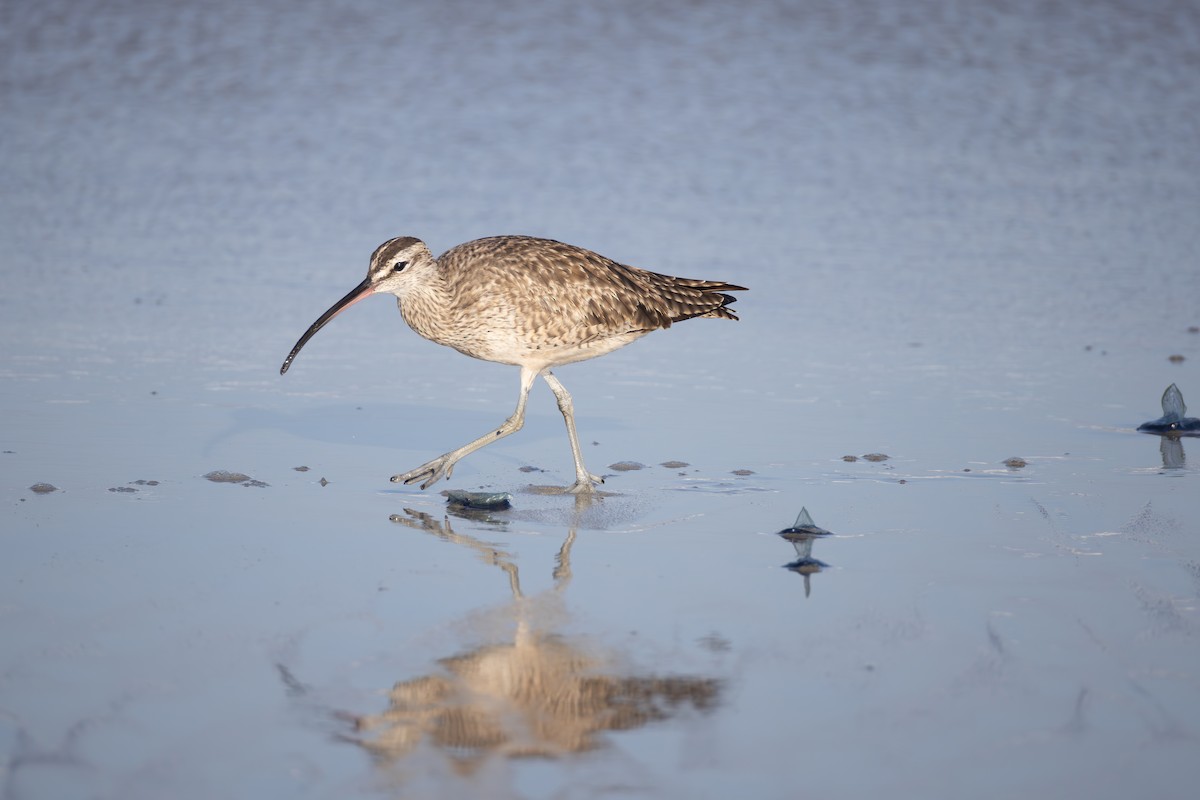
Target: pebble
[[224, 476]]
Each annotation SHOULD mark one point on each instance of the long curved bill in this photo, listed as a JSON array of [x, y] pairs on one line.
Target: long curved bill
[[364, 289]]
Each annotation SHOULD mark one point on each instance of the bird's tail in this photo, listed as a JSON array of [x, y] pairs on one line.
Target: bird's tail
[[713, 302]]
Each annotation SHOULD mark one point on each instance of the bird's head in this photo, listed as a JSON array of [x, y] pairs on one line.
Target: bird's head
[[395, 265]]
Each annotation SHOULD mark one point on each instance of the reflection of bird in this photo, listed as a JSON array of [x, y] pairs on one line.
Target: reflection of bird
[[538, 695], [533, 303]]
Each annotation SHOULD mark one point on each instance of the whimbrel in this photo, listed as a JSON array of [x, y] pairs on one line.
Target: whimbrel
[[533, 303]]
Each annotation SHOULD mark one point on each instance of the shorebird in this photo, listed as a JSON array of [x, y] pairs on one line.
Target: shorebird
[[533, 303]]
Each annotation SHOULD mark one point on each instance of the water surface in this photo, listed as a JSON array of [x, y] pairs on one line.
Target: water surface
[[969, 235]]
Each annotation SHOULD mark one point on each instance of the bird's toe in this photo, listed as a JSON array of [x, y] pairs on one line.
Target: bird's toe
[[429, 473], [583, 487], [434, 475], [412, 476]]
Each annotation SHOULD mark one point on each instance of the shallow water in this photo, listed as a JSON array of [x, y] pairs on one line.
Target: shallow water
[[969, 235]]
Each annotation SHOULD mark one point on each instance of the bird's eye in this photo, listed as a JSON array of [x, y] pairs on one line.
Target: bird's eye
[[399, 266]]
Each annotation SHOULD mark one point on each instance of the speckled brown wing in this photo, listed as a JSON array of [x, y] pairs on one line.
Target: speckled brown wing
[[560, 291]]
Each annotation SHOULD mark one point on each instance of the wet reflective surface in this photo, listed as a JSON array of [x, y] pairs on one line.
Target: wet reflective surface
[[969, 237], [539, 695]]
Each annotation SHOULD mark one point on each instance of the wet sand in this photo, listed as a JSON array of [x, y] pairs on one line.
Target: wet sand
[[970, 245]]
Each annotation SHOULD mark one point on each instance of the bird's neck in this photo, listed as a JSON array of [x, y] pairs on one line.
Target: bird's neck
[[426, 307]]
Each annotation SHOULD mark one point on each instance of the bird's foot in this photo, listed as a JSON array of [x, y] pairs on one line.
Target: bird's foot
[[584, 484], [430, 472]]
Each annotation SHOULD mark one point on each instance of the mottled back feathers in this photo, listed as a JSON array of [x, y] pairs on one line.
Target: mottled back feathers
[[577, 287], [536, 302]]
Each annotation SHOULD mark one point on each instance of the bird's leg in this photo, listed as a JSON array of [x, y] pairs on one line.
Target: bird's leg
[[443, 466], [583, 479]]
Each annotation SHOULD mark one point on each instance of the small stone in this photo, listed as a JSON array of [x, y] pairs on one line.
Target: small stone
[[1015, 462], [743, 472], [225, 476], [1176, 358], [144, 483], [876, 457], [674, 464], [626, 466], [1193, 328], [43, 488], [300, 469], [528, 468], [849, 458], [324, 482], [123, 489]]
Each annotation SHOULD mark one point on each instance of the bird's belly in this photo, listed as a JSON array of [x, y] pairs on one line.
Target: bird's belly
[[497, 333], [509, 347]]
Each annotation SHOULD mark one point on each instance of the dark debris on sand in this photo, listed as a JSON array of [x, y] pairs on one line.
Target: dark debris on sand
[[224, 476]]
